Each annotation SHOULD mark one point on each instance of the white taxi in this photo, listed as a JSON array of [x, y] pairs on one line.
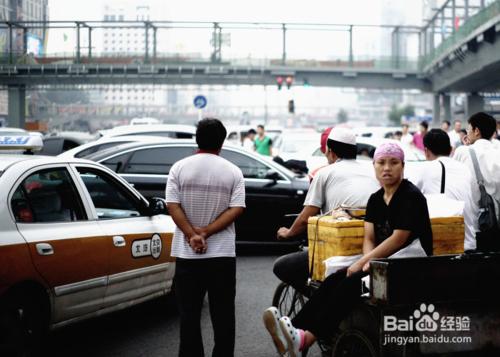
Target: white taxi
[[76, 241]]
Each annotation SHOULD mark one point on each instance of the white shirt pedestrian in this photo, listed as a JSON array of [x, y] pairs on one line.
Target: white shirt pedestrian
[[488, 156], [458, 183], [454, 138], [407, 139], [248, 144]]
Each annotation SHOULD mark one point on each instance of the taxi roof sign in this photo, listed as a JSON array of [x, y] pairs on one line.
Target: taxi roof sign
[[21, 142]]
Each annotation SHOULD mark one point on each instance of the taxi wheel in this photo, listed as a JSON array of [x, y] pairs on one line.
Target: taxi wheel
[[21, 326]]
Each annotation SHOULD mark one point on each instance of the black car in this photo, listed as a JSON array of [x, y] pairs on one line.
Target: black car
[[272, 191]]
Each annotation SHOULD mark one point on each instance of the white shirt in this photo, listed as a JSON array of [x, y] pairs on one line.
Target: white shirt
[[344, 183], [488, 156], [248, 144], [458, 182], [205, 185], [407, 139], [454, 138]]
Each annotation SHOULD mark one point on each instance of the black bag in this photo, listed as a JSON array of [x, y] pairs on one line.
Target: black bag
[[487, 221], [487, 217]]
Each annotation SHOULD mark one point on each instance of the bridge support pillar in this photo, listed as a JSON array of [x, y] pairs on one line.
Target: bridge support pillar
[[447, 107], [474, 104], [17, 106], [436, 110]]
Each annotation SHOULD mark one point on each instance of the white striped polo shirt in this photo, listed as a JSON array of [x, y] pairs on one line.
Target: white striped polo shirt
[[205, 185]]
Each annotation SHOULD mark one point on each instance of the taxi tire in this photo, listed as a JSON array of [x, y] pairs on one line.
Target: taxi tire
[[22, 325]]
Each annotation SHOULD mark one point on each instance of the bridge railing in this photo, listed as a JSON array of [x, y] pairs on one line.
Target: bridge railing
[[452, 24], [381, 63], [377, 47]]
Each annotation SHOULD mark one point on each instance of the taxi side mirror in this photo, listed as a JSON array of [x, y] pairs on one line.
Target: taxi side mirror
[[157, 206]]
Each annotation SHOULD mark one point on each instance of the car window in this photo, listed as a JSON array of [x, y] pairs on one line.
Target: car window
[[111, 200], [52, 146], [366, 150], [184, 135], [318, 152], [116, 162], [97, 148], [165, 134], [47, 196], [156, 160], [250, 167], [69, 144]]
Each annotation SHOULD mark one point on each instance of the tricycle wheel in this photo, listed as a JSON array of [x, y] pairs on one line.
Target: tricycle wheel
[[353, 343], [288, 300]]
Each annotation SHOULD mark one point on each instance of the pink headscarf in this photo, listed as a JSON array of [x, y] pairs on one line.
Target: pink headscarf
[[389, 150]]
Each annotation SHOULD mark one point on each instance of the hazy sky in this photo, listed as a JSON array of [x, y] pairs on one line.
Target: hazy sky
[[310, 11], [258, 45], [266, 44]]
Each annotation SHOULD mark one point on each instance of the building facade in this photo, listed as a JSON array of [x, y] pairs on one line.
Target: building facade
[[129, 42], [35, 42]]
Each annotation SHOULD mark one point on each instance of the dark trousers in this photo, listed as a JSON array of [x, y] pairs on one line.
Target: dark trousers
[[330, 304], [293, 269], [193, 279]]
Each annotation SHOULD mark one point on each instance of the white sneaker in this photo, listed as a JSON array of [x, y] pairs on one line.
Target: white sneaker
[[271, 319], [292, 336]]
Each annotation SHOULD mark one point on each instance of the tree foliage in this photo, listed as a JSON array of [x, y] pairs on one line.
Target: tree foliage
[[397, 113], [342, 116], [67, 97]]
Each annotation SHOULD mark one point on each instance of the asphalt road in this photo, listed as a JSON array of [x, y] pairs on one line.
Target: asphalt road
[[152, 329]]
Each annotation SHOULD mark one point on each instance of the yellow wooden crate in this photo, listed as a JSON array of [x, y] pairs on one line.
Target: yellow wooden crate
[[448, 235], [344, 238]]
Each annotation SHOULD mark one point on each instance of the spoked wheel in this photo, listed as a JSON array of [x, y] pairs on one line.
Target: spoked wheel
[[353, 343], [288, 300]]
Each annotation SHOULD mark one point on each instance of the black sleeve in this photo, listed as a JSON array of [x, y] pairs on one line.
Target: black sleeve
[[371, 209], [270, 142]]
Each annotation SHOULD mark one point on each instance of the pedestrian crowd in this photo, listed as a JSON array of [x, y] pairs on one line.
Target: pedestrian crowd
[[397, 215], [206, 194]]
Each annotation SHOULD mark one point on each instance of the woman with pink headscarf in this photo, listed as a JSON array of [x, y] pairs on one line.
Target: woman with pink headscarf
[[396, 215]]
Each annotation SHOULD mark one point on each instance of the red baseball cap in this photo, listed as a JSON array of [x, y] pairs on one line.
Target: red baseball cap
[[324, 139]]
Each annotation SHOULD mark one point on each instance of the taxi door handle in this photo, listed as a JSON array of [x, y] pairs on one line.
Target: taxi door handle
[[44, 249], [119, 241]]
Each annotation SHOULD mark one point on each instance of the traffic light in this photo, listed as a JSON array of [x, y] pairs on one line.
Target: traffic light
[[291, 106], [289, 81], [279, 82]]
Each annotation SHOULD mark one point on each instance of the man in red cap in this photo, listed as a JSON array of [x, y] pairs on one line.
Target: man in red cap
[[323, 140]]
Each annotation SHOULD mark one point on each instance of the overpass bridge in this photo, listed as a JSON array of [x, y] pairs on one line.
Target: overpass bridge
[[457, 50]]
